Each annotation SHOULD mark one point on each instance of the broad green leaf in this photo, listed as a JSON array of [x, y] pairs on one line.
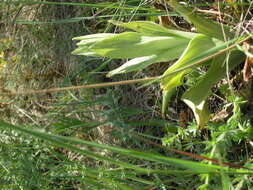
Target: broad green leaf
[[144, 47], [132, 45], [205, 26], [139, 63], [196, 96], [196, 47], [151, 28]]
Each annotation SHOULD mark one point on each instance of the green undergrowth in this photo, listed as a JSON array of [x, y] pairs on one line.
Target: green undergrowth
[[114, 137]]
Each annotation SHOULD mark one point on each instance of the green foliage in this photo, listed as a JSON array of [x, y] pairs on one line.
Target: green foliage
[[152, 43], [88, 139], [195, 46], [197, 101], [111, 183], [218, 144], [166, 45]]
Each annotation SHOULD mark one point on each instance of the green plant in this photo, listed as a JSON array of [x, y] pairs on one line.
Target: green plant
[[127, 155], [151, 43], [218, 143], [119, 173]]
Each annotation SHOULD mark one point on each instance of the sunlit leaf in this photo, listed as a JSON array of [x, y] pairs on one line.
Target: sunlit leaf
[[196, 46], [196, 96], [134, 65], [152, 28], [132, 45], [139, 63]]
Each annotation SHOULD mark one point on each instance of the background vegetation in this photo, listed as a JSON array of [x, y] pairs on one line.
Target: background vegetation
[[114, 137]]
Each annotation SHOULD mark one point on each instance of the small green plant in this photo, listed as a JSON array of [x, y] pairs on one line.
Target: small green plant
[[152, 43]]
